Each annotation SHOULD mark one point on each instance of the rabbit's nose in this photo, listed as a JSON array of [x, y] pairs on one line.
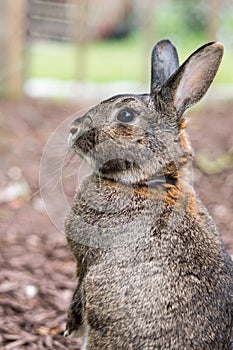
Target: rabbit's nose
[[74, 130]]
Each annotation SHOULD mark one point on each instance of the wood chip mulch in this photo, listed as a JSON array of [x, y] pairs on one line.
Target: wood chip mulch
[[37, 275]]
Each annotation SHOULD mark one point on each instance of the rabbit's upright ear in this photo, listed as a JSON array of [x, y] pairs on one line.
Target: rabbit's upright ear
[[191, 81], [164, 62]]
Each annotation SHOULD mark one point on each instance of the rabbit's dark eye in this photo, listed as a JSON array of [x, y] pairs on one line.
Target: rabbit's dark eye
[[125, 116]]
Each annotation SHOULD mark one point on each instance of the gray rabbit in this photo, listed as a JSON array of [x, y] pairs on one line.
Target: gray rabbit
[[152, 269]]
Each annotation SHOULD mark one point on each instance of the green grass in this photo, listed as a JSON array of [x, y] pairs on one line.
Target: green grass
[[51, 59], [114, 60], [105, 60]]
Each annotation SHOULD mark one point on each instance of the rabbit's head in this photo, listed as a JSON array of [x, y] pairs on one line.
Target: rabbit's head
[[135, 138]]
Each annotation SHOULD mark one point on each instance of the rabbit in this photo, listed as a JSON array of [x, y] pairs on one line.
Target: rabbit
[[152, 269]]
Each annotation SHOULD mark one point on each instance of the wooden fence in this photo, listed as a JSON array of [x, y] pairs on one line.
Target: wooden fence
[[80, 21], [23, 21]]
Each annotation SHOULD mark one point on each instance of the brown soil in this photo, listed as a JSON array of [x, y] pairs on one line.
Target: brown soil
[[37, 268]]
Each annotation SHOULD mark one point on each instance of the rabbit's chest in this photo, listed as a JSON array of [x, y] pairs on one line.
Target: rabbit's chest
[[104, 215]]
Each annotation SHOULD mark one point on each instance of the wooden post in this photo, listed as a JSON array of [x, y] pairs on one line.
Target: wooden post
[[15, 16], [80, 36], [11, 46], [149, 37], [212, 15]]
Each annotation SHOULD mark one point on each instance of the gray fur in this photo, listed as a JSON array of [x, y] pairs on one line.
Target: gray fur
[[152, 270], [164, 62]]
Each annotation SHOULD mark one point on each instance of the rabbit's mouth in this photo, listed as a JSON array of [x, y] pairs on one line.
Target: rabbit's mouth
[[116, 165]]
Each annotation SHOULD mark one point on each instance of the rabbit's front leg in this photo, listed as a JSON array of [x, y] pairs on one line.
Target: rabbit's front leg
[[74, 324]]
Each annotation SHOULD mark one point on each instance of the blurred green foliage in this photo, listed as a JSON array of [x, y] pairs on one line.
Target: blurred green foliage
[[105, 60], [181, 21]]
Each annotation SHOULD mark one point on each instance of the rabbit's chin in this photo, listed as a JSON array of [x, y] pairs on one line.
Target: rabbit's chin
[[131, 176], [130, 179], [127, 179]]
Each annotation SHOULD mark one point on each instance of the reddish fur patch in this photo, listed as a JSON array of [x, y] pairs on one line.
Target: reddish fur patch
[[192, 205], [172, 195], [183, 140], [180, 195], [182, 124], [150, 193]]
